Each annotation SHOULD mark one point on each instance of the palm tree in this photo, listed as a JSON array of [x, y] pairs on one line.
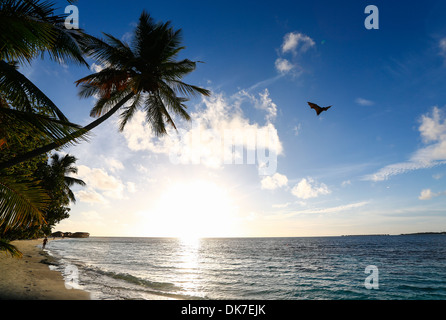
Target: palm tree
[[56, 176], [29, 28], [51, 192], [56, 179], [145, 75]]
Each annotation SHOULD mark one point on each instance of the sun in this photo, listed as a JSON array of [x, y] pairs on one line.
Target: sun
[[196, 209]]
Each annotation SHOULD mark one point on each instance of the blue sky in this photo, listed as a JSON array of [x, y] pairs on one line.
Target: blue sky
[[373, 163]]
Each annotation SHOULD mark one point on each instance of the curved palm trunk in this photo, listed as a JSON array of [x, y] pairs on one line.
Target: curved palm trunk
[[57, 144]]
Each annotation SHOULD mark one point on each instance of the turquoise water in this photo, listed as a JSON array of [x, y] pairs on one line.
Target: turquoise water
[[333, 268]]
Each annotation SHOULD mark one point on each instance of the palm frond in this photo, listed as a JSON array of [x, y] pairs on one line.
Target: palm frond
[[9, 248], [103, 83], [23, 94], [105, 104], [187, 89], [111, 51], [173, 102], [31, 27], [129, 111], [21, 202], [157, 115], [23, 34], [48, 128]]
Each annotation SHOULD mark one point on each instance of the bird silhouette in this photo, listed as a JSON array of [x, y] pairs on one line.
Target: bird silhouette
[[317, 108]]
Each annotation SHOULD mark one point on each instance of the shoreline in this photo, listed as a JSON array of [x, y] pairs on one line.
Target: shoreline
[[30, 277]]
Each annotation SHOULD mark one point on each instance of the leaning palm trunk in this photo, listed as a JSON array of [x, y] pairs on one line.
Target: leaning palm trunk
[[60, 143]]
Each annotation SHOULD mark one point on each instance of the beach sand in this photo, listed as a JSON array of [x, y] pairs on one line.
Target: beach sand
[[30, 279]]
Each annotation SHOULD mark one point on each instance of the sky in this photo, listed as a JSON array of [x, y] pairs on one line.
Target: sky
[[255, 160]]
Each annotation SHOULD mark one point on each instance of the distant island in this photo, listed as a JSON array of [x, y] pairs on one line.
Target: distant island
[[422, 233], [364, 235], [402, 234], [60, 234]]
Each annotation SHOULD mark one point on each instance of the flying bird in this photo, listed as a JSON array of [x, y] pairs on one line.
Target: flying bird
[[317, 108]]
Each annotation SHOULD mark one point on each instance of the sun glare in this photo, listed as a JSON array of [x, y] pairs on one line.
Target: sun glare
[[197, 209]]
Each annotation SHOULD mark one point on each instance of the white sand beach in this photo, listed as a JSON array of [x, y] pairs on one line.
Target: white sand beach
[[30, 279]]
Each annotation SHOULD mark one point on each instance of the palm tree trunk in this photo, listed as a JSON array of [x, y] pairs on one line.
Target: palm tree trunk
[[57, 144]]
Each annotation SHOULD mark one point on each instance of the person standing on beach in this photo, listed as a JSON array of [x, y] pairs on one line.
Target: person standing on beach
[[44, 242]]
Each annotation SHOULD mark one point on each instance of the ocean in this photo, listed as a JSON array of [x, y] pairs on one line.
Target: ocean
[[311, 268]]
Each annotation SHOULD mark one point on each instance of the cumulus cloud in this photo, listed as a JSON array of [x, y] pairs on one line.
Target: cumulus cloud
[[308, 188], [275, 181], [433, 127], [284, 66], [99, 185], [114, 164], [90, 196], [98, 178], [433, 133], [296, 42], [427, 194], [262, 101], [218, 134]]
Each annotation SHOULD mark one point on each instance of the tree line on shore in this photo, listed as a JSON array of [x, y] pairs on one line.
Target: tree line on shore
[[35, 176]]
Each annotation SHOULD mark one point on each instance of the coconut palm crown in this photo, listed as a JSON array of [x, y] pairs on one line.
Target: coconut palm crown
[[144, 75]]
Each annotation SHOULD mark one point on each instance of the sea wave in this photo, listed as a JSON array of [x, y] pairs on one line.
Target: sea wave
[[288, 268]]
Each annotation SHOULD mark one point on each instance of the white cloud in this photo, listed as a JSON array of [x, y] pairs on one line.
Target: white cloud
[[267, 104], [295, 41], [218, 134], [329, 210], [114, 164], [284, 66], [99, 180], [397, 168], [308, 188], [131, 187], [96, 68], [426, 194], [263, 102], [90, 196], [364, 102], [275, 181], [281, 205], [340, 208], [432, 130]]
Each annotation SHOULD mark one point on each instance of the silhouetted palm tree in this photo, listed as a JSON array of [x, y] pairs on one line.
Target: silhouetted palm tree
[[56, 176], [28, 29], [145, 75]]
